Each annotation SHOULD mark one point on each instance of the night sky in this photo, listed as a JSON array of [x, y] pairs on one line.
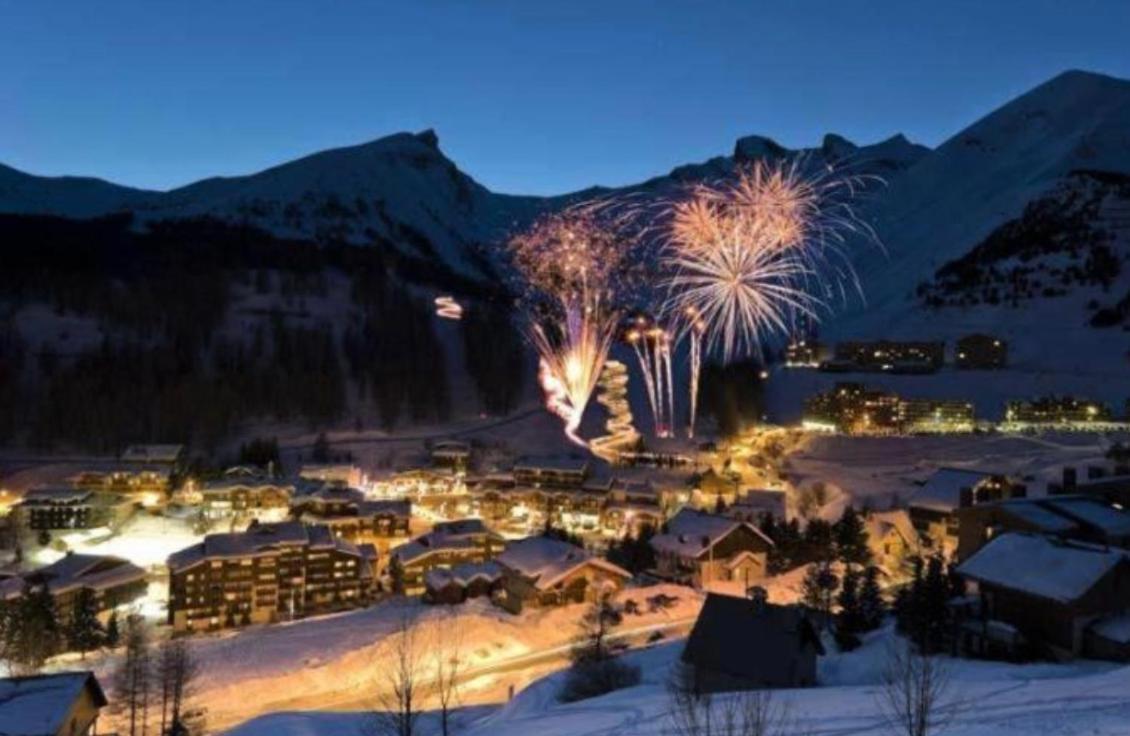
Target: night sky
[[527, 96]]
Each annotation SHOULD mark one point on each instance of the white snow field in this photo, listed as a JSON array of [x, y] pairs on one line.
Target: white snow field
[[988, 699]]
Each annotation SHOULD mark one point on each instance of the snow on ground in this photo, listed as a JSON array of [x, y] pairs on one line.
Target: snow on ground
[[881, 470], [1077, 699], [337, 661]]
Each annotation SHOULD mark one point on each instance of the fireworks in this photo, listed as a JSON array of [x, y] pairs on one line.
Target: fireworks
[[571, 263], [448, 308], [621, 433], [652, 346], [747, 258]]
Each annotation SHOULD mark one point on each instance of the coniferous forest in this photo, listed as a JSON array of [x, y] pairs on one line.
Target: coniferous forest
[[166, 364]]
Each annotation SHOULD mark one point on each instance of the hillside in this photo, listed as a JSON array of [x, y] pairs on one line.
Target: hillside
[[1018, 225]]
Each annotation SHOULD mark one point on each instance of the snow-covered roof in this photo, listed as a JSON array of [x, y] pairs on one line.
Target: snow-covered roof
[[691, 532], [74, 571], [761, 500], [1040, 566], [56, 495], [1043, 519], [1113, 628], [1091, 511], [261, 540], [446, 535], [942, 490], [546, 561], [38, 706], [463, 575], [881, 523]]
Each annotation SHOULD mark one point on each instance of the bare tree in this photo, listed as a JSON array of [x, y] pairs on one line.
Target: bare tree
[[176, 673], [914, 698], [132, 679], [447, 654], [748, 713], [398, 707]]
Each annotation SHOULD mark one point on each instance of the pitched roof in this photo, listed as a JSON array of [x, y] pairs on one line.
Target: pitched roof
[[37, 706], [439, 577], [1093, 512], [546, 560], [750, 640], [942, 490], [1035, 513], [260, 540], [880, 523], [97, 572], [1040, 566], [691, 532]]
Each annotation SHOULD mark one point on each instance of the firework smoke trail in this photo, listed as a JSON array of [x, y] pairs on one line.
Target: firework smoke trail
[[570, 262]]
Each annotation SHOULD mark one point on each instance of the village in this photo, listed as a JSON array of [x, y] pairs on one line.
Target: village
[[745, 522]]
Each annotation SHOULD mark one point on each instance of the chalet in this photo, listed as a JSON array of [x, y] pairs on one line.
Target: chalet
[[148, 485], [699, 548], [354, 518], [934, 506], [448, 544], [270, 572], [51, 509], [59, 704], [451, 454], [113, 581], [742, 644], [541, 571], [551, 472], [891, 538], [1081, 518], [462, 582], [981, 352], [1110, 485], [239, 494], [1047, 591], [753, 505], [349, 476]]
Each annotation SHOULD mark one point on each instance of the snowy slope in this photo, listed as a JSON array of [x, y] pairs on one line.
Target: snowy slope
[[984, 175]]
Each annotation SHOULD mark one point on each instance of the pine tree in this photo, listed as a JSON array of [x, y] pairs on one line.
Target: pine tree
[[849, 622], [871, 608], [851, 538], [84, 631], [33, 629], [113, 635], [935, 612], [820, 585], [396, 574]]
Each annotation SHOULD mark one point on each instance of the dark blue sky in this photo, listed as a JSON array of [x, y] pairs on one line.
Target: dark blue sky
[[527, 96]]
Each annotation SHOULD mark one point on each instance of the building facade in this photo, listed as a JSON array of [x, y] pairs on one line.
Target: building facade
[[269, 573]]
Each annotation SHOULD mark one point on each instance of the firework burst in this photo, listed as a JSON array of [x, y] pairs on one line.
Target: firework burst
[[746, 258], [571, 263]]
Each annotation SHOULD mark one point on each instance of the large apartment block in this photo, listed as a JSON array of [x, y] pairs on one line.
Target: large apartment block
[[269, 573]]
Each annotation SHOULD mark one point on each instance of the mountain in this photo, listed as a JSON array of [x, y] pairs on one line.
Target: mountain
[[1019, 224], [72, 196], [985, 175], [400, 190]]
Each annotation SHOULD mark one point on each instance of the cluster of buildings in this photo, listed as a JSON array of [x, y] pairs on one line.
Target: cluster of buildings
[[853, 408], [1045, 575], [971, 352]]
